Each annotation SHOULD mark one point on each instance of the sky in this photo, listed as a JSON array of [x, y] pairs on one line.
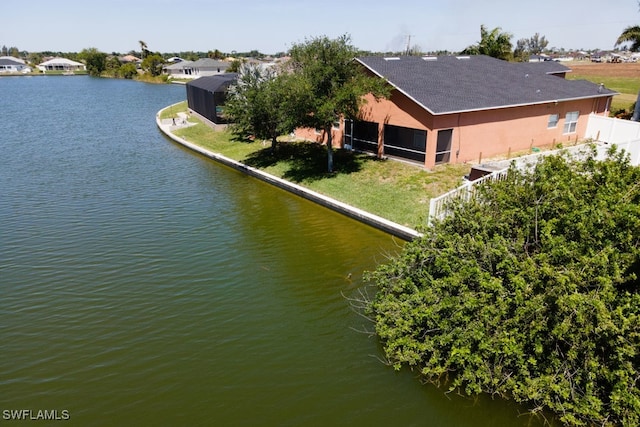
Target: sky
[[274, 26]]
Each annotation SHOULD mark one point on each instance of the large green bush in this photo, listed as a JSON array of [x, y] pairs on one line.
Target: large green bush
[[530, 291]]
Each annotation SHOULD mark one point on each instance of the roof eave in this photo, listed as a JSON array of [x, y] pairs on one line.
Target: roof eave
[[548, 101], [421, 105]]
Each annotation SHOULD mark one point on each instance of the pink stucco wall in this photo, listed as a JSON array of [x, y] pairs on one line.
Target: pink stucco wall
[[479, 134]]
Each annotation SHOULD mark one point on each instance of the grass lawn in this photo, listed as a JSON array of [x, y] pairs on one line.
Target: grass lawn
[[627, 87], [622, 78], [395, 190]]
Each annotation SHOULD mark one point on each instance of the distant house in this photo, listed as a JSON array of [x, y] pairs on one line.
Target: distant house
[[180, 69], [456, 109], [9, 64], [207, 67], [539, 58], [195, 69], [126, 59], [61, 64], [206, 96]]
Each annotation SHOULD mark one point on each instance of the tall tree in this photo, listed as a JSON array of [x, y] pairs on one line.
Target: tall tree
[[35, 58], [112, 65], [152, 64], [143, 49], [214, 54], [630, 35], [335, 85], [534, 45], [235, 65], [492, 43], [127, 71], [537, 44], [521, 52], [11, 51], [259, 103], [95, 61]]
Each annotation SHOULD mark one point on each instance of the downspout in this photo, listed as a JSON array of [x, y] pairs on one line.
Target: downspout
[[459, 137]]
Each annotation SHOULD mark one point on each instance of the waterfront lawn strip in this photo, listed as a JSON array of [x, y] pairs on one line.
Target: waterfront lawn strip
[[394, 190], [221, 142]]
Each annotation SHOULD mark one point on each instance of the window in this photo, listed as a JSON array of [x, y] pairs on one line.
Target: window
[[443, 146], [571, 122], [553, 121]]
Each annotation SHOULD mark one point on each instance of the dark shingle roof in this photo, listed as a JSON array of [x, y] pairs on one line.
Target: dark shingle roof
[[9, 61], [217, 83], [210, 63], [450, 84]]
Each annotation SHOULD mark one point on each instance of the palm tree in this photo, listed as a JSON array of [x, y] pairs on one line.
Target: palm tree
[[632, 35], [492, 43], [143, 48]]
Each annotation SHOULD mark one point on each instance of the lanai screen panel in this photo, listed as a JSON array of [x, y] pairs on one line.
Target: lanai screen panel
[[404, 142]]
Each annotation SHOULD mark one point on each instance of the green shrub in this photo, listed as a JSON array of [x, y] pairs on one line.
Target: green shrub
[[530, 291], [127, 71]]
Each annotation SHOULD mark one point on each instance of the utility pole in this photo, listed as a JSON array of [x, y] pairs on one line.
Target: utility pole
[[408, 44]]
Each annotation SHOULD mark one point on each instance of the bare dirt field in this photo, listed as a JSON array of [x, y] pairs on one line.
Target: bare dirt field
[[625, 69]]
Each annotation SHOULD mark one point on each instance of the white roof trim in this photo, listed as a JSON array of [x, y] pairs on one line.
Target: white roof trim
[[64, 61]]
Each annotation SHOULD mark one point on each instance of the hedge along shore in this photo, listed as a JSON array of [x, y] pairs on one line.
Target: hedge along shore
[[375, 221]]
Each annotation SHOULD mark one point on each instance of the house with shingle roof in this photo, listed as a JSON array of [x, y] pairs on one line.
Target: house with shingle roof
[[179, 69], [456, 109], [195, 69], [208, 67], [10, 64], [130, 59], [61, 64]]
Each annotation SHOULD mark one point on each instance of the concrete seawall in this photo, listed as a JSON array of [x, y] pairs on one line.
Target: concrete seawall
[[380, 223]]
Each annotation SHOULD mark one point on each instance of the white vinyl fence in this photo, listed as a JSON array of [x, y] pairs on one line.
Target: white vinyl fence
[[438, 205], [623, 133], [604, 131]]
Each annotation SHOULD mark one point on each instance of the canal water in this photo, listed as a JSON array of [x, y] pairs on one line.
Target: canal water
[[141, 284]]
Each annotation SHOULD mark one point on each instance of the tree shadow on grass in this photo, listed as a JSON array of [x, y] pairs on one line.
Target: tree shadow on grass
[[248, 139], [307, 161]]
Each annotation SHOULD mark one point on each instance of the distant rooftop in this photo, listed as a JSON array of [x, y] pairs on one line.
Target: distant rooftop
[[10, 60]]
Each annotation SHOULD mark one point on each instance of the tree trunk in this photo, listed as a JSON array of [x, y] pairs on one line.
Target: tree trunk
[[274, 143], [329, 150]]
